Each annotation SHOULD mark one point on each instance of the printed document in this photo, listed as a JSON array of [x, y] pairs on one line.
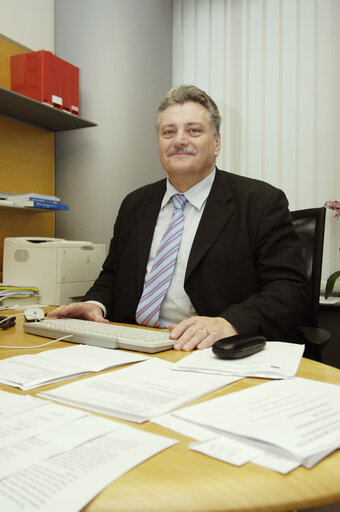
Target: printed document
[[227, 450], [278, 360], [69, 480], [35, 421], [12, 404], [184, 427], [33, 370], [227, 447], [139, 392], [298, 419], [26, 453], [233, 451]]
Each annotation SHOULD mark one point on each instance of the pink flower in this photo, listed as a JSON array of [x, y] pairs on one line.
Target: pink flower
[[333, 205]]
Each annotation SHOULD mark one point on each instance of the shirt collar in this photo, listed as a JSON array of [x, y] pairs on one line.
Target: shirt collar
[[196, 195]]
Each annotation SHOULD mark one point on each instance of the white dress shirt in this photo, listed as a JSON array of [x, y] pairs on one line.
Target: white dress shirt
[[176, 305]]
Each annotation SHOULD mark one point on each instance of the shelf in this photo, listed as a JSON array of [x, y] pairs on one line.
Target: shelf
[[40, 114], [31, 208]]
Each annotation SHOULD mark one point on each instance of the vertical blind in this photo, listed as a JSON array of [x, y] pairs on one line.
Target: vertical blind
[[272, 66]]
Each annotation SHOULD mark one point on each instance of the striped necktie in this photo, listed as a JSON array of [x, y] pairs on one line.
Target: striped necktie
[[160, 276]]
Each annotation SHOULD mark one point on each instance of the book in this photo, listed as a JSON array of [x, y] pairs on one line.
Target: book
[[42, 201], [30, 196], [38, 203]]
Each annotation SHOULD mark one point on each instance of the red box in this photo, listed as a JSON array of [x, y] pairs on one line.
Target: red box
[[45, 77]]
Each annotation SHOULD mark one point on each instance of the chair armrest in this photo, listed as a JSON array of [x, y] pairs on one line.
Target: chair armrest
[[315, 336]]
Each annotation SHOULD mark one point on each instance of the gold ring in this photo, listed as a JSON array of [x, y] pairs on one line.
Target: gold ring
[[206, 332]]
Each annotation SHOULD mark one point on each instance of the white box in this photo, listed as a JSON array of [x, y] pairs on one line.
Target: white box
[[63, 270]]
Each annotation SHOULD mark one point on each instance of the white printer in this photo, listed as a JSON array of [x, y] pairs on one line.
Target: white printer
[[63, 270]]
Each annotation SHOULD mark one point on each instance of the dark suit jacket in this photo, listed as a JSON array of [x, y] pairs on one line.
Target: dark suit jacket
[[245, 263]]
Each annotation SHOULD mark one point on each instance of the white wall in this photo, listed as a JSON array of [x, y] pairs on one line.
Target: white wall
[[28, 22], [123, 49], [272, 66]]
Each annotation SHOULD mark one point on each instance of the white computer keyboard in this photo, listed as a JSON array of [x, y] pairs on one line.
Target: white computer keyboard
[[102, 335]]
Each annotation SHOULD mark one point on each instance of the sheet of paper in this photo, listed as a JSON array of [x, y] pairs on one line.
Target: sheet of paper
[[12, 404], [278, 360], [139, 392], [239, 450], [91, 358], [32, 370], [224, 447], [186, 428], [29, 371], [34, 422], [227, 450], [297, 417], [20, 307], [26, 453], [276, 462], [69, 480]]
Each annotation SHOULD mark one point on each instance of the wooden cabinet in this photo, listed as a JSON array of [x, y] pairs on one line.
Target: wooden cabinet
[[27, 152]]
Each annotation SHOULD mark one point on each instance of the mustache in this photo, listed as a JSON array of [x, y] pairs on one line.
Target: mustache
[[188, 151]]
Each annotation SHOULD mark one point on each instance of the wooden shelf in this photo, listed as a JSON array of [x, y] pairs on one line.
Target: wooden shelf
[[34, 112]]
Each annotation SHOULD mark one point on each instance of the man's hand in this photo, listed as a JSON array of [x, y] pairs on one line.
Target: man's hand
[[200, 332], [83, 310]]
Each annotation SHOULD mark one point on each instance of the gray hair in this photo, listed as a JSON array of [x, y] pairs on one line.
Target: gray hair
[[186, 93]]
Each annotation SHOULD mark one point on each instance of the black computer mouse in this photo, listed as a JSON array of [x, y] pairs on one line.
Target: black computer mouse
[[238, 346]]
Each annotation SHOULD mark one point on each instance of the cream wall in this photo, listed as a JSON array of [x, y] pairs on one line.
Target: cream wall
[[272, 66], [29, 22], [124, 52]]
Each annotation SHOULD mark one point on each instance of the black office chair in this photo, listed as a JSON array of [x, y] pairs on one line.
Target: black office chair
[[310, 227]]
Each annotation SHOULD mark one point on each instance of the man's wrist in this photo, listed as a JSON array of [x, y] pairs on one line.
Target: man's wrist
[[103, 308]]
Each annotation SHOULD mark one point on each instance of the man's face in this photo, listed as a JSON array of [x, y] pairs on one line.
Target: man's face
[[187, 145]]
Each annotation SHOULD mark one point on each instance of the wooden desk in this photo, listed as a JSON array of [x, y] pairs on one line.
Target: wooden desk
[[179, 480]]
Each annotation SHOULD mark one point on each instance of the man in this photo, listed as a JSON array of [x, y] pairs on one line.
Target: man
[[239, 267]]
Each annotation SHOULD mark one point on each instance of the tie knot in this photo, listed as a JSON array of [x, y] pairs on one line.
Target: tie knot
[[179, 201]]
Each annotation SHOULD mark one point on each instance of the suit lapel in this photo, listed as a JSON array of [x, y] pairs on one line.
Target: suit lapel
[[218, 210]]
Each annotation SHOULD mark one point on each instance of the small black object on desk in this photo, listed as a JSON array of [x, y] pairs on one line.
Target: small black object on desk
[[6, 322], [238, 346]]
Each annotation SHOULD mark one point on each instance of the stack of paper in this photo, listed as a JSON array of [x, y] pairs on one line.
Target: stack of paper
[[33, 370], [139, 392], [5, 202], [278, 360], [59, 458], [17, 295], [279, 424]]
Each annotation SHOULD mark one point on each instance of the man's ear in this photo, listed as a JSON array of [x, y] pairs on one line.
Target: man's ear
[[217, 144]]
